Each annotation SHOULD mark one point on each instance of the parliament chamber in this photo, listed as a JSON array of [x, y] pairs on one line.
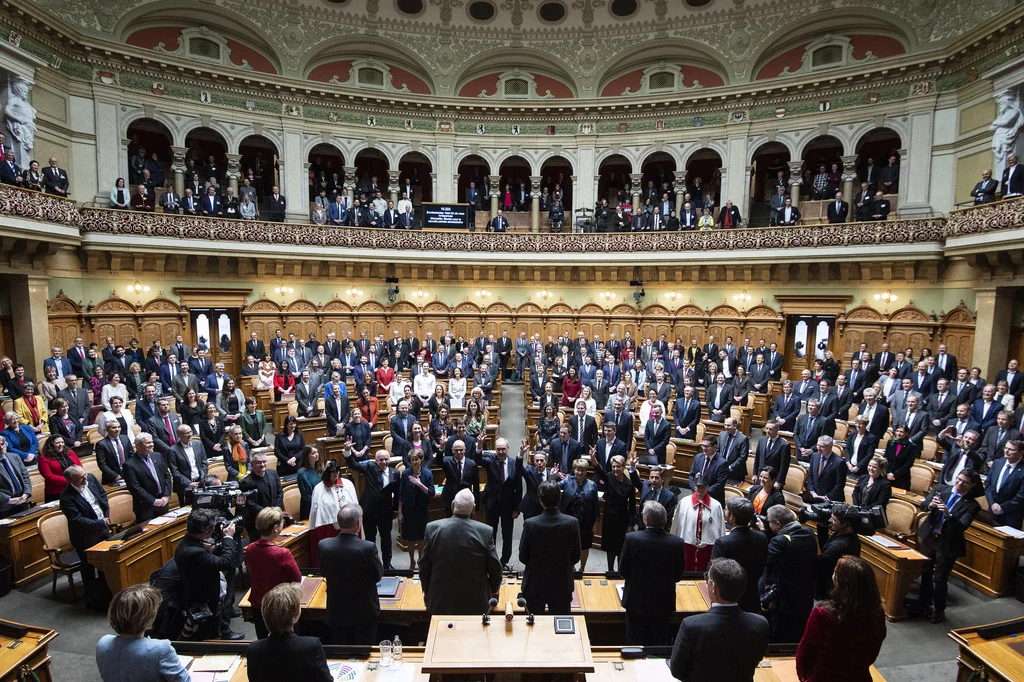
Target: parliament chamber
[[265, 263]]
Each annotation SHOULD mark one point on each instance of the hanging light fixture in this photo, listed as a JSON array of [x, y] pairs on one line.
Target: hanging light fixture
[[137, 288], [420, 295], [354, 292], [741, 297], [483, 293], [283, 290], [886, 296], [607, 295], [673, 296]]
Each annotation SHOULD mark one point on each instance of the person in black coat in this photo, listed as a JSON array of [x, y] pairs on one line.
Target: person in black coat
[[549, 549], [873, 488], [900, 455], [460, 473], [843, 542], [503, 493], [283, 654], [379, 500], [109, 457], [268, 492], [745, 546], [352, 568], [941, 537], [788, 579], [182, 471], [725, 643], [200, 568], [564, 451], [651, 490], [687, 415], [712, 469], [773, 451], [148, 479], [84, 504], [652, 563], [787, 407], [582, 424]]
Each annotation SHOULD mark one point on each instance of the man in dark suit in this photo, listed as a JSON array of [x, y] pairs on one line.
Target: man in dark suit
[[498, 224], [856, 381], [164, 427], [787, 407], [459, 569], [986, 409], [401, 429], [1014, 379], [256, 348], [789, 214], [1004, 488], [652, 562], [112, 452], [565, 450], [774, 452], [55, 179], [725, 643], [15, 484], [809, 427], [583, 427], [941, 537], [266, 489], [79, 400], [549, 549], [827, 475], [746, 546], [188, 460], [473, 199], [962, 389], [606, 448], [711, 469], [652, 490], [838, 210], [734, 448], [502, 494], [275, 205], [84, 503], [657, 434], [995, 439], [940, 405], [789, 569], [148, 479], [379, 500], [718, 399], [460, 473], [352, 568], [622, 418], [210, 206], [1013, 178], [687, 415]]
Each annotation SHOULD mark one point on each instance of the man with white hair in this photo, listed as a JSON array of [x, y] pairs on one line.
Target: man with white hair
[[84, 504], [148, 480], [459, 569]]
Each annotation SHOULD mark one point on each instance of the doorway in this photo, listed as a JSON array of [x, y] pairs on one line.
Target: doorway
[[810, 336], [218, 330]]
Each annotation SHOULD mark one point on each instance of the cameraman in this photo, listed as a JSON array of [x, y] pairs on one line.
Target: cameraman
[[844, 541], [202, 563]]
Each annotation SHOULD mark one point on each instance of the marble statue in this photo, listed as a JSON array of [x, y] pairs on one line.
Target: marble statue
[[20, 120], [1006, 126]]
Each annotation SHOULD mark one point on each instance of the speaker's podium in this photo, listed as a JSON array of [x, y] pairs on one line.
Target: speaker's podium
[[461, 645]]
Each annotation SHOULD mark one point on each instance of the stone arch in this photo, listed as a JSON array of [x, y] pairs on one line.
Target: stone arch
[[663, 49], [138, 115], [311, 142], [378, 47], [809, 140], [382, 149], [488, 156], [757, 145], [525, 59], [632, 154]]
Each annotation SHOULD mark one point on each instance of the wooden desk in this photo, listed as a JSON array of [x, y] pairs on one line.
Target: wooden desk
[[20, 543], [895, 570], [33, 652], [1002, 657], [312, 428]]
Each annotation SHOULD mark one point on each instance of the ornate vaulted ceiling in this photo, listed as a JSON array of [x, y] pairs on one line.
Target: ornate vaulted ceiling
[[566, 48]]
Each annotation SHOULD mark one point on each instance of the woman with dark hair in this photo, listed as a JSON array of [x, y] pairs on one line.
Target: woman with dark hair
[[357, 436], [437, 400], [284, 382], [369, 406], [191, 409], [414, 494], [763, 494], [54, 458], [119, 195], [211, 431], [230, 402], [571, 388], [288, 446], [310, 469], [61, 424], [845, 633], [548, 427], [330, 495]]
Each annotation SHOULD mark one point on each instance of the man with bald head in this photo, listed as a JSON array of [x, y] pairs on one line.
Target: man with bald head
[[460, 473], [459, 569], [378, 500]]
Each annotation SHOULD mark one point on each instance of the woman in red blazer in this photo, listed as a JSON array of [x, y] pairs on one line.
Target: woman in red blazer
[[268, 564], [284, 382], [844, 634], [54, 458], [571, 388]]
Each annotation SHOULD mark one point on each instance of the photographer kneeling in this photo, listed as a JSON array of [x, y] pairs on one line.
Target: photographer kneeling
[[843, 542], [202, 560]]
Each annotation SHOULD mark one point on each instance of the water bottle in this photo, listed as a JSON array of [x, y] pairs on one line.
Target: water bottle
[[396, 650]]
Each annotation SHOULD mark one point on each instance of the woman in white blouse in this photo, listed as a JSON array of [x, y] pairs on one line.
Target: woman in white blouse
[[587, 396], [457, 388], [397, 391], [116, 413], [424, 383], [112, 388], [329, 495], [647, 406], [266, 373], [1004, 396]]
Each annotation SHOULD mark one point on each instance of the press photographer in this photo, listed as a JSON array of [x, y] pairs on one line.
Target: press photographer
[[843, 541], [204, 564]]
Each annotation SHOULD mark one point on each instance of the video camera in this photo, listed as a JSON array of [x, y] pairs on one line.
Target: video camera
[[221, 499], [865, 521]]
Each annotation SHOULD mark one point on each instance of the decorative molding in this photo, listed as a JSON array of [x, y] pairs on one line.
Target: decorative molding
[[516, 75], [678, 81]]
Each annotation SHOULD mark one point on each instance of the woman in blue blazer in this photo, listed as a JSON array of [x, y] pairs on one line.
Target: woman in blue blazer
[[21, 439], [579, 499]]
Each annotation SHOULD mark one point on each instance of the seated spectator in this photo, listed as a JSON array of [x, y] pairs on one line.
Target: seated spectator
[[15, 484], [141, 201], [32, 410], [269, 565], [119, 197], [130, 654]]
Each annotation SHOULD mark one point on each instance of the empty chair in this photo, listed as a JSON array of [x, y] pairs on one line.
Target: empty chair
[[53, 534]]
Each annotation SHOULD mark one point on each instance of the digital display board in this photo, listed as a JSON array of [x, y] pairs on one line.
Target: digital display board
[[445, 216]]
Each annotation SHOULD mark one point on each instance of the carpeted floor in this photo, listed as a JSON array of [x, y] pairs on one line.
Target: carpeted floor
[[913, 650]]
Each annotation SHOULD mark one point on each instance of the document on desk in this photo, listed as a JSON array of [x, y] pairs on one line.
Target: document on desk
[[888, 543], [397, 672], [620, 588], [652, 670], [1011, 531], [214, 664], [349, 671]]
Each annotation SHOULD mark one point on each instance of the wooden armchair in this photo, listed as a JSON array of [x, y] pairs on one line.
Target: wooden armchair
[[53, 533]]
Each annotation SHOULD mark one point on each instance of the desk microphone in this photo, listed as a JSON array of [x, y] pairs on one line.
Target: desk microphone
[[521, 603], [487, 614]]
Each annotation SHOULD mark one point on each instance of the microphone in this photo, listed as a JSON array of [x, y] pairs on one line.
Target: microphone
[[487, 614], [521, 603]]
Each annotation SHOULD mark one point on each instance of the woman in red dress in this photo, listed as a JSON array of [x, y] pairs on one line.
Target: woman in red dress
[[571, 388], [385, 377], [844, 634]]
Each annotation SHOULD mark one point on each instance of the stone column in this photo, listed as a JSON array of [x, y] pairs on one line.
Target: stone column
[[916, 163], [495, 193], [748, 193], [350, 183], [796, 178], [294, 178], [433, 188], [393, 187], [679, 187], [991, 329], [123, 165], [636, 182], [106, 100], [235, 171], [29, 319], [446, 192], [849, 182], [584, 194], [535, 181], [178, 168]]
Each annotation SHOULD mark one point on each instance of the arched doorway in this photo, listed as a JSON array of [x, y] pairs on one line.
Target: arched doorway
[[877, 147], [820, 155], [704, 176], [473, 170], [371, 175], [613, 174], [149, 148], [557, 170], [515, 178], [659, 173], [415, 170], [327, 166], [769, 163], [258, 164], [206, 158]]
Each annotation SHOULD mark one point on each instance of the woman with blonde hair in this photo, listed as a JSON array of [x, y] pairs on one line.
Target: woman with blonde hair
[[130, 656]]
